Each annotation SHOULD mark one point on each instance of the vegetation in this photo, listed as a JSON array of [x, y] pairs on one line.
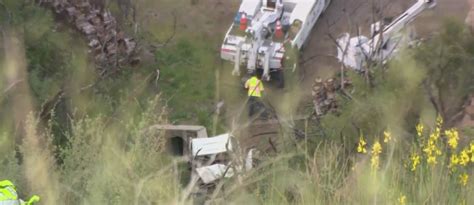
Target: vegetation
[[393, 141]]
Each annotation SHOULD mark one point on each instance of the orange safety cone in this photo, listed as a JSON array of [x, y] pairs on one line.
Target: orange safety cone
[[278, 30], [243, 22]]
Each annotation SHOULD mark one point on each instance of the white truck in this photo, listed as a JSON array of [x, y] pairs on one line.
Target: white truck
[[208, 156], [261, 28], [384, 42]]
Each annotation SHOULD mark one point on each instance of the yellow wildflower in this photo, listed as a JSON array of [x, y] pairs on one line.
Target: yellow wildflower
[[463, 178], [431, 160], [431, 149], [453, 138], [361, 147], [464, 158], [435, 135], [419, 129], [402, 199], [439, 121], [471, 151], [415, 161], [376, 150], [387, 136], [453, 161], [374, 162]]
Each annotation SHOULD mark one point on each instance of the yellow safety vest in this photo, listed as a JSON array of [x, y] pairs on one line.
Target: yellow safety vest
[[8, 193], [254, 86], [9, 196]]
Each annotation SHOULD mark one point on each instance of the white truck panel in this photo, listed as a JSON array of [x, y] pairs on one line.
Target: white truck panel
[[302, 10], [211, 145], [250, 7]]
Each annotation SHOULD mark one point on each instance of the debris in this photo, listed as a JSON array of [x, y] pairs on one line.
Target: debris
[[211, 173], [324, 95], [318, 96], [110, 47]]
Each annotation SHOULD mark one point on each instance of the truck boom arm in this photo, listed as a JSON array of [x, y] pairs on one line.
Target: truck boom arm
[[403, 20], [353, 52]]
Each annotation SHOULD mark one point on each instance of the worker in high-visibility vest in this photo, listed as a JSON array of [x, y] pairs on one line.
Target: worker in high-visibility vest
[[9, 196], [255, 89]]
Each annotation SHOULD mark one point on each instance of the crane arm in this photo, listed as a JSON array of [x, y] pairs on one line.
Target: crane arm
[[405, 18]]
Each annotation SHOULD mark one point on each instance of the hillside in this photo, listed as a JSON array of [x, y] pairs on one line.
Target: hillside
[[130, 102]]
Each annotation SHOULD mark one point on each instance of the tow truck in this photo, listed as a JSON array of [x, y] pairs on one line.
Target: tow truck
[[261, 29]]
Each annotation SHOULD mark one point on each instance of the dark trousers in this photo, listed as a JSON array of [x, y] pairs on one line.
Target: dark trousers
[[254, 105]]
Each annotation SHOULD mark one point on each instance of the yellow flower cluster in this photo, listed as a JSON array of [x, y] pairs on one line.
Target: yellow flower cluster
[[463, 179], [387, 137], [431, 149], [454, 160], [402, 200], [375, 151], [463, 158], [374, 160], [439, 121], [419, 129], [415, 161], [453, 138], [361, 147]]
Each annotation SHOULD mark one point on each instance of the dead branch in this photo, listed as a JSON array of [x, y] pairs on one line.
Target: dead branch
[[11, 86], [173, 33]]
